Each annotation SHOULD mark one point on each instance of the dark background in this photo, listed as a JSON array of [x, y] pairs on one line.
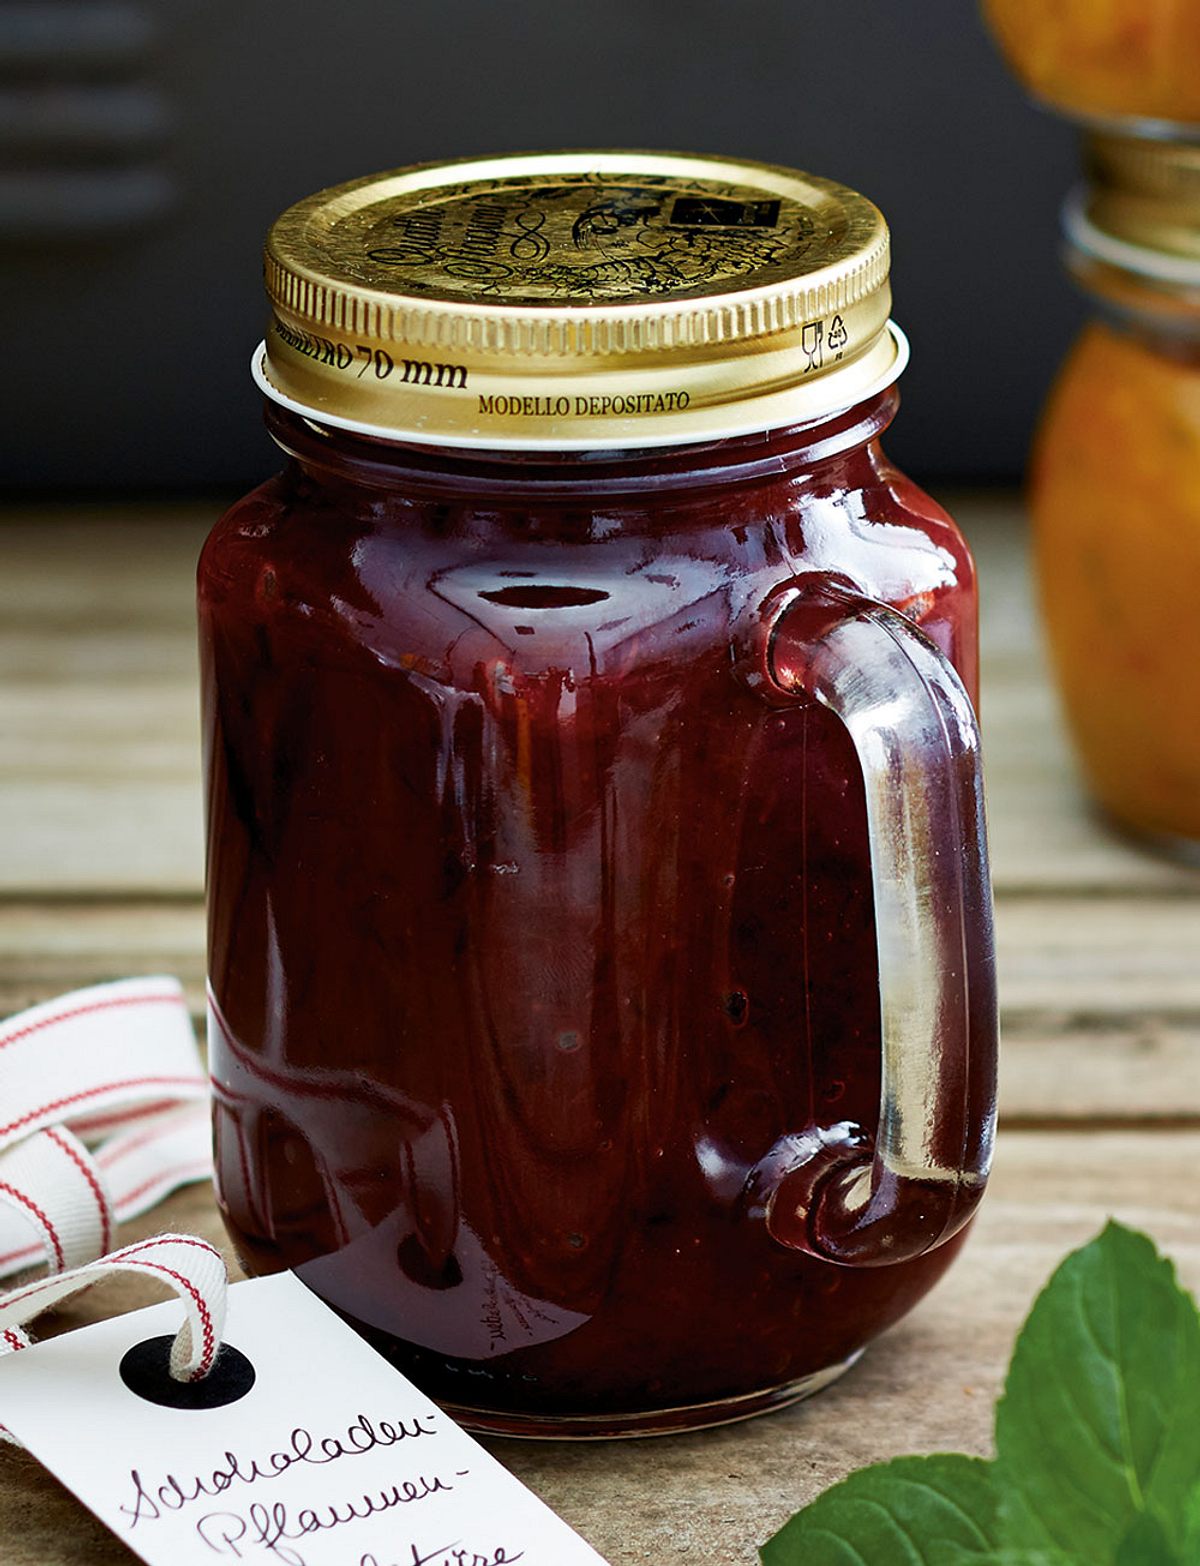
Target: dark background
[[144, 148]]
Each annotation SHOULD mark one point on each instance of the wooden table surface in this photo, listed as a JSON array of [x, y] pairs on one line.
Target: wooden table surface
[[100, 876]]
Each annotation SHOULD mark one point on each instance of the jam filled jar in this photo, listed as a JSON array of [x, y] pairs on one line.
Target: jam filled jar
[[1115, 491], [1115, 477], [602, 1000]]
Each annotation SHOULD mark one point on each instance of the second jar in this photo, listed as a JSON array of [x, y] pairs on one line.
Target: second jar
[[1115, 490]]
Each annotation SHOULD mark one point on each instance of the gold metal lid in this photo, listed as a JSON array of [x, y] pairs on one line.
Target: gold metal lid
[[1146, 193], [1133, 230], [578, 299]]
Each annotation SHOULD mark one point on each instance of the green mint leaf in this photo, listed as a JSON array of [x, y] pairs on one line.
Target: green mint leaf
[[1100, 1419], [915, 1511], [1023, 1558], [1146, 1544], [1191, 1526]]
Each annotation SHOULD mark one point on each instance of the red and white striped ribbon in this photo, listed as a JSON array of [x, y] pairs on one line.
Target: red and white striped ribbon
[[103, 1112], [191, 1266]]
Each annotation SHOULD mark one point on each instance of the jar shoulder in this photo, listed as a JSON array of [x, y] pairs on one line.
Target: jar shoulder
[[245, 535], [444, 585], [926, 533], [864, 520]]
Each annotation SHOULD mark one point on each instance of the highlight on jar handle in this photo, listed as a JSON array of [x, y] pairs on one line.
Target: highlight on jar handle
[[917, 742]]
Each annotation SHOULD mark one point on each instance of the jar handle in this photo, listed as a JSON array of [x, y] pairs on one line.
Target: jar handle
[[914, 732]]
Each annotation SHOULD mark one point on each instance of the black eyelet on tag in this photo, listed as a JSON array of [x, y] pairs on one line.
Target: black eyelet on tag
[[145, 1370]]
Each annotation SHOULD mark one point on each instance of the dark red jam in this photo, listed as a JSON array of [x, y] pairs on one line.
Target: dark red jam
[[534, 926]]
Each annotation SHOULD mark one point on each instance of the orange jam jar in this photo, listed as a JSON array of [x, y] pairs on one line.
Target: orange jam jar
[[1105, 59], [1115, 491]]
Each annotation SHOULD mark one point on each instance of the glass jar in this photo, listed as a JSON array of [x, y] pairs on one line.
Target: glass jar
[[1105, 59], [1115, 492], [602, 994]]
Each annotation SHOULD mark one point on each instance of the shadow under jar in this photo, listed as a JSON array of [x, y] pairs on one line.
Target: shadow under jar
[[602, 998]]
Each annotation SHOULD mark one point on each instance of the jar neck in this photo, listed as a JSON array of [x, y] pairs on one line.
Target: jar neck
[[1169, 335], [325, 453], [1162, 313]]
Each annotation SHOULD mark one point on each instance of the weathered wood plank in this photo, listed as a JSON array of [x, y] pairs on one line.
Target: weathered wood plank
[[128, 835], [108, 732], [99, 770], [928, 1385], [1105, 957], [47, 947], [1144, 1074]]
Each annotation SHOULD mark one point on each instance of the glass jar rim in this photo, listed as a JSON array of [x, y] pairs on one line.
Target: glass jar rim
[[1085, 236], [391, 461], [1128, 279]]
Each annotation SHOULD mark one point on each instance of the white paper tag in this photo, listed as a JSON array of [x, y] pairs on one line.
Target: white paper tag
[[332, 1458]]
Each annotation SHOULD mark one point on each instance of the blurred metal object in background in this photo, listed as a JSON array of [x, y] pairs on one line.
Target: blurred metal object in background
[[82, 126]]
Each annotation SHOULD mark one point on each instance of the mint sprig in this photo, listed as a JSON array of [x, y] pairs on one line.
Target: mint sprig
[[1097, 1442]]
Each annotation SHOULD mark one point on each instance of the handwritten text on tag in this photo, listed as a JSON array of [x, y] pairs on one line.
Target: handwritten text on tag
[[332, 1458]]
